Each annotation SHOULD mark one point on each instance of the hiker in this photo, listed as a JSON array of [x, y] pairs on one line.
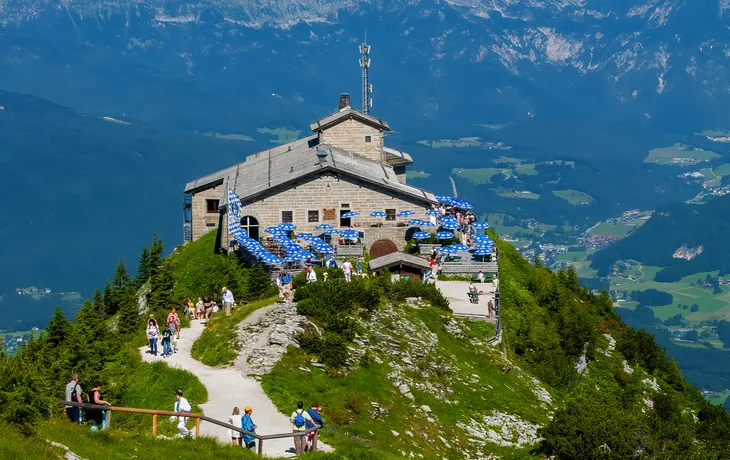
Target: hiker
[[299, 420], [208, 307], [314, 413], [311, 276], [495, 283], [166, 350], [97, 417], [73, 394], [480, 277], [227, 301], [286, 281], [248, 425], [199, 309], [173, 341], [152, 335], [235, 420], [187, 308], [490, 308], [347, 269], [358, 267], [181, 405], [173, 321]]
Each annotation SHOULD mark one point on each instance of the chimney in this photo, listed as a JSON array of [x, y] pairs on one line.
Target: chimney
[[344, 101]]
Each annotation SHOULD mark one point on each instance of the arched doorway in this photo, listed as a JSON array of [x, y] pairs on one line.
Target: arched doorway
[[251, 225], [382, 248]]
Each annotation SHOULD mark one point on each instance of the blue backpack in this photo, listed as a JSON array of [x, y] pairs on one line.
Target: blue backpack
[[299, 420]]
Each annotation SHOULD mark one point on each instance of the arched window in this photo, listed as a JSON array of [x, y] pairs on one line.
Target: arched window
[[251, 225]]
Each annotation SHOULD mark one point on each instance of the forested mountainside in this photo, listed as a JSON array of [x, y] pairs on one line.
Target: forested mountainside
[[682, 238], [569, 379]]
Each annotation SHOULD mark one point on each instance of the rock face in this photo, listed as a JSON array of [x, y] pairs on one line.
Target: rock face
[[503, 429], [687, 253], [264, 340]]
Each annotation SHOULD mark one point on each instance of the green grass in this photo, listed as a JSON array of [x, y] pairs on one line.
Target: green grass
[[720, 399], [714, 133], [281, 135], [504, 159], [477, 175], [665, 155], [610, 229], [574, 197], [14, 445], [572, 256], [525, 195], [417, 175], [722, 170], [218, 345], [526, 169]]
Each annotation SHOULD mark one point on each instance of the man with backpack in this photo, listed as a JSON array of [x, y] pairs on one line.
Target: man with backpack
[[299, 419], [73, 394]]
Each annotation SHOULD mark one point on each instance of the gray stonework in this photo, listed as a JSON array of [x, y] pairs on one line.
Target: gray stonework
[[202, 220], [350, 135]]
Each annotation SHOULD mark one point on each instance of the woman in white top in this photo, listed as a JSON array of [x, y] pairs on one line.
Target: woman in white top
[[311, 276], [153, 333], [235, 420]]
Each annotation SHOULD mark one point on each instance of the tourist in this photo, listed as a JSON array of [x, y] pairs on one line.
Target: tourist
[[173, 322], [227, 301], [181, 405], [311, 275], [73, 394], [97, 417], [235, 420], [358, 267], [490, 308], [173, 340], [347, 269], [472, 288], [314, 413], [286, 281], [199, 309], [299, 419], [208, 306], [153, 333], [325, 276], [248, 425], [166, 350], [280, 285], [495, 283], [480, 277], [187, 308]]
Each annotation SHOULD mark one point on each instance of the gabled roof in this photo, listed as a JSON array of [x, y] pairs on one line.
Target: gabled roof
[[395, 157], [348, 113], [397, 258], [269, 169]]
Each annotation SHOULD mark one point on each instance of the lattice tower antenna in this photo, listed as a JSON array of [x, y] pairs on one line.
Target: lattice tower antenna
[[367, 88]]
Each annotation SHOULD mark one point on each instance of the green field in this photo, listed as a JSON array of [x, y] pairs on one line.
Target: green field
[[679, 154], [574, 197], [417, 175], [526, 195], [722, 170], [714, 133], [509, 160], [719, 400], [572, 256], [526, 169], [609, 229], [477, 175], [281, 135]]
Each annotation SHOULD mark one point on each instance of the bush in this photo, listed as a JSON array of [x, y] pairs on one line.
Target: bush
[[333, 350]]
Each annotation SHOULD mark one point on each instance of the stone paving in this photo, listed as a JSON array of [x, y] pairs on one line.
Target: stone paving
[[456, 293]]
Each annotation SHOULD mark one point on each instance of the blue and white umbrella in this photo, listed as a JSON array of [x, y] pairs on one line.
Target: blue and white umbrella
[[480, 225], [349, 234], [272, 229], [433, 212], [461, 204], [416, 222], [449, 218], [449, 225], [421, 235], [447, 250], [459, 247], [444, 199], [377, 214], [288, 226], [426, 223], [350, 214], [405, 213], [482, 251], [332, 231], [303, 236], [291, 258], [307, 255], [444, 235], [276, 233], [324, 227], [271, 260]]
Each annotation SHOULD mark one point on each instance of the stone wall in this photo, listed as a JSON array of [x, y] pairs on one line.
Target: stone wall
[[350, 135], [202, 220], [326, 194]]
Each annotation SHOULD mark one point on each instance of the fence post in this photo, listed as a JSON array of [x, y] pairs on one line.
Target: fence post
[[197, 427], [154, 425], [261, 446], [108, 417]]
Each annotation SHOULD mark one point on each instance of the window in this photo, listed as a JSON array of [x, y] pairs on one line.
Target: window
[[212, 205], [368, 138], [287, 216], [251, 225], [390, 214], [345, 205], [210, 224], [312, 216]]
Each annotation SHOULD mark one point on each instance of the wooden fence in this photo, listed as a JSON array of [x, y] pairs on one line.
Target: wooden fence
[[198, 417]]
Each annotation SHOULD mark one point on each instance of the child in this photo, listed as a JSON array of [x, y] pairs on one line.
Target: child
[[235, 420], [166, 334], [173, 341]]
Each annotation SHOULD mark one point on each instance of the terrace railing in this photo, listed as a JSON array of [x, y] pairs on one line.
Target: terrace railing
[[468, 267], [350, 250]]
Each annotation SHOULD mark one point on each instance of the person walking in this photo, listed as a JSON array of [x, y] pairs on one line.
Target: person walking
[[315, 414], [235, 420], [480, 277], [347, 270], [358, 267], [153, 333], [299, 419], [208, 307], [97, 417], [227, 301], [73, 394], [181, 405], [166, 349], [173, 321], [490, 308], [199, 309], [286, 281], [248, 425], [495, 284]]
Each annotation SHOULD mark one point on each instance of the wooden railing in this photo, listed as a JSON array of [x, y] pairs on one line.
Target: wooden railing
[[198, 417]]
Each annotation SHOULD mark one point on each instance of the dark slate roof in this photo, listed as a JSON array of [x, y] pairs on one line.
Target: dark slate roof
[[346, 114], [397, 258], [272, 168]]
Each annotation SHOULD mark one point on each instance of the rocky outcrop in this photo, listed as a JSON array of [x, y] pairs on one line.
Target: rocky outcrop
[[687, 253]]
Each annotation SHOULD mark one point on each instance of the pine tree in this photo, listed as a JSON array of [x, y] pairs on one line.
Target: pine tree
[[129, 320], [259, 282], [121, 277], [161, 284], [109, 303], [155, 259], [58, 328], [143, 271], [98, 304]]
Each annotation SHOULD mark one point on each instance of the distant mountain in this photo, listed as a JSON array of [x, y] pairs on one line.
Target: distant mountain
[[79, 192], [683, 238]]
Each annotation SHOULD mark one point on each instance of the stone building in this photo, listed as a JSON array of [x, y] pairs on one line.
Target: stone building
[[343, 166]]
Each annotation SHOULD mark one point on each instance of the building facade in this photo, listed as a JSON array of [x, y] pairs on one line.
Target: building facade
[[344, 166]]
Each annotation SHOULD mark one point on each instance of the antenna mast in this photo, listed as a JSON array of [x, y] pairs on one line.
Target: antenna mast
[[367, 88]]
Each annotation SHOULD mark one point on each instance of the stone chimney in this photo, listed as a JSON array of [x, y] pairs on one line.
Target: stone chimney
[[344, 101]]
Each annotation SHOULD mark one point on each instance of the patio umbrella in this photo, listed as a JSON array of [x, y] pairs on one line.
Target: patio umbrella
[[421, 235], [332, 231], [444, 235], [288, 226], [324, 227], [416, 222], [449, 225], [480, 225], [444, 199], [349, 234], [350, 214], [303, 236], [272, 229], [426, 223], [290, 258], [377, 214], [272, 260], [433, 212], [459, 247], [482, 252], [480, 237], [449, 218], [405, 213], [447, 250]]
